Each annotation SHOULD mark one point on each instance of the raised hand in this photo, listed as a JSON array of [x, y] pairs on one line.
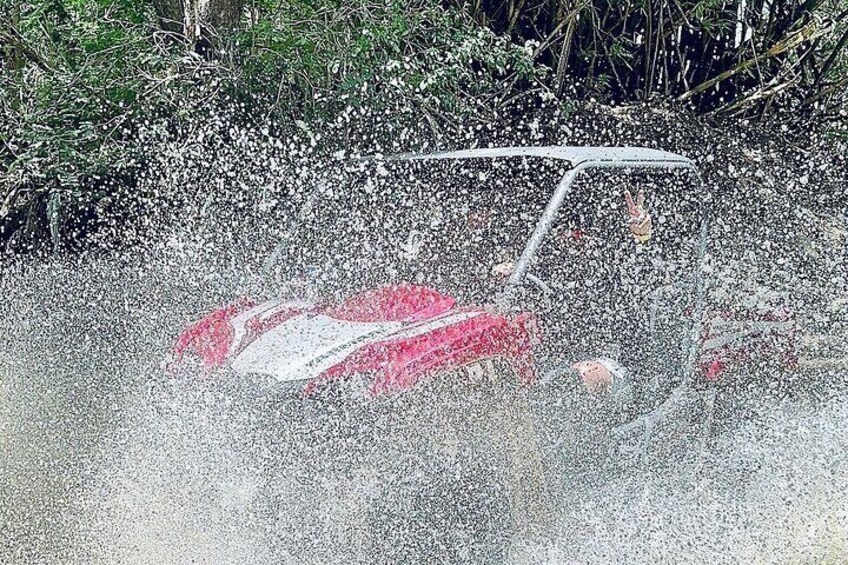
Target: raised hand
[[639, 222]]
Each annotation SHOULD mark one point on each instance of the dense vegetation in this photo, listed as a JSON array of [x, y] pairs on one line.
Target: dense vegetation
[[727, 57], [90, 90]]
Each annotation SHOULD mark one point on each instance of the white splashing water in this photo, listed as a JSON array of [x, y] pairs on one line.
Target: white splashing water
[[774, 491], [106, 467], [107, 461]]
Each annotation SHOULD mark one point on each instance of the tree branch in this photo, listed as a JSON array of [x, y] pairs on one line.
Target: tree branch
[[790, 42]]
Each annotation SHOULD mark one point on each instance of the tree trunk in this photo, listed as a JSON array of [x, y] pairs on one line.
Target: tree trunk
[[199, 21], [10, 54]]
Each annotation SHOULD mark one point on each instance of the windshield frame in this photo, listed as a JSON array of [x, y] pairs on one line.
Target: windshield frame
[[583, 159], [565, 187]]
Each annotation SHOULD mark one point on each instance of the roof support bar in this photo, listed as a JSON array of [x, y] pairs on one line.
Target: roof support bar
[[564, 188]]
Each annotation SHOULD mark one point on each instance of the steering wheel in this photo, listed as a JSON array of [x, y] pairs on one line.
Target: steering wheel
[[506, 269], [539, 283]]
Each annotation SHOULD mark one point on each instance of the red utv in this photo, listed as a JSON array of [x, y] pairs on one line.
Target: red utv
[[450, 297]]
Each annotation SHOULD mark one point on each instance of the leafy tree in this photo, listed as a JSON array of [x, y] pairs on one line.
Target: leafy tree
[[91, 90], [90, 87]]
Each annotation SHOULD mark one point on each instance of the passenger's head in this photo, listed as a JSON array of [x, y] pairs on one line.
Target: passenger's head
[[598, 374]]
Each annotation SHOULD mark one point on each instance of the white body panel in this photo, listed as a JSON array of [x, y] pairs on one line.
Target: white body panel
[[308, 344]]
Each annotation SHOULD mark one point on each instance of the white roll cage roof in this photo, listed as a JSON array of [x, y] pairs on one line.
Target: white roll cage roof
[[576, 156], [579, 158]]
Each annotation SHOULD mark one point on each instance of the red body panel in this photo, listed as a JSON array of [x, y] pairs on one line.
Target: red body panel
[[211, 338], [433, 336], [429, 334], [398, 364]]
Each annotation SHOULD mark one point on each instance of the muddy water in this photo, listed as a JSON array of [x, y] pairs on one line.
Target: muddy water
[[106, 460]]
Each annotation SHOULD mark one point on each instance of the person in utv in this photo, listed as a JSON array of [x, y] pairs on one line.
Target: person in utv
[[651, 407], [643, 404]]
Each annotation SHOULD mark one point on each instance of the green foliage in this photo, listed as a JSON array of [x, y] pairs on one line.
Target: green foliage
[[321, 55], [75, 82], [713, 16], [91, 89], [88, 85]]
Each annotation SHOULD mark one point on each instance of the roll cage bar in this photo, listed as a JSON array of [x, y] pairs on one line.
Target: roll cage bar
[[583, 159], [580, 159]]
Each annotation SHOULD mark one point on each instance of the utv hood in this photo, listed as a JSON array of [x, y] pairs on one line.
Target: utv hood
[[394, 336]]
